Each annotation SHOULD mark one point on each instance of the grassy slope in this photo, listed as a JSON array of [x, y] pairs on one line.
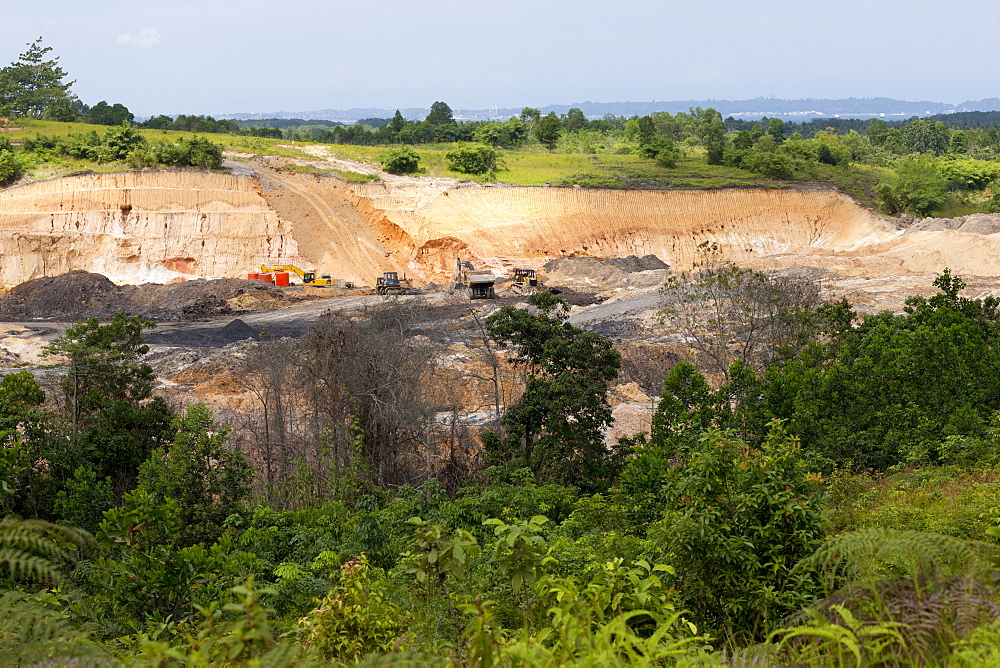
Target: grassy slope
[[531, 166], [949, 500]]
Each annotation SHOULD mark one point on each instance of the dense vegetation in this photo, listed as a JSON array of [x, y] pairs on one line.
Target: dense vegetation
[[816, 488], [823, 502]]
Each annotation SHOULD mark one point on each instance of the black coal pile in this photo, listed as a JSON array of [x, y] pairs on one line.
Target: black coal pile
[[80, 295]]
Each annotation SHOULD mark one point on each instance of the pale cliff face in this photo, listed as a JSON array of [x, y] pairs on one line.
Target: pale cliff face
[[138, 227], [157, 226]]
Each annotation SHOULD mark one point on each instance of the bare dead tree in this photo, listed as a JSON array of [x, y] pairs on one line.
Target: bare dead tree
[[367, 371], [280, 428], [728, 313]]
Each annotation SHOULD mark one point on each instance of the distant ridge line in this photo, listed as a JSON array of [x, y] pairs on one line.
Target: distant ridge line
[[801, 109]]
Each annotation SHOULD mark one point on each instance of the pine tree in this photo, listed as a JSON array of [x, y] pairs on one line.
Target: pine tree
[[32, 86]]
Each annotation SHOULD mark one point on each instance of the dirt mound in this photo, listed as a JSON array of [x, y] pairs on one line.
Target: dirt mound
[[238, 330], [976, 223], [75, 292], [581, 272], [599, 274], [632, 264], [81, 294], [629, 264], [205, 298]]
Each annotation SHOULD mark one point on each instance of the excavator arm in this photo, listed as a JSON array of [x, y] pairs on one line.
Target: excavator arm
[[282, 267]]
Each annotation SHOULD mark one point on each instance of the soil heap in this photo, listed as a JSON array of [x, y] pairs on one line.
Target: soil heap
[[80, 294]]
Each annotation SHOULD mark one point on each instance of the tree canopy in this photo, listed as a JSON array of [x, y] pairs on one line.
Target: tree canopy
[[34, 86], [556, 427]]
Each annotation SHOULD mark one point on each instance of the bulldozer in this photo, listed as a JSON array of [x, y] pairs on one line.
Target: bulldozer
[[525, 282], [479, 283], [308, 277], [389, 283]]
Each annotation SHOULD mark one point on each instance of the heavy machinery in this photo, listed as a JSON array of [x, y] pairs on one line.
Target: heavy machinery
[[478, 282], [389, 283], [308, 277], [525, 282]]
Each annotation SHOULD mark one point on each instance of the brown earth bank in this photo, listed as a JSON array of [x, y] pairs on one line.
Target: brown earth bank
[[175, 247], [157, 226]]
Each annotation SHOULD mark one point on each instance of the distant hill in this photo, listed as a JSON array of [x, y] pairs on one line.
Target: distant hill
[[797, 110]]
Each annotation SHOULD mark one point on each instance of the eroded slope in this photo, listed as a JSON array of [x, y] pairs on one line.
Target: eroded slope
[[138, 227], [155, 226]]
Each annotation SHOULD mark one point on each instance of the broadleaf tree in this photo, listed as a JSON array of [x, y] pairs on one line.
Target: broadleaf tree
[[557, 426], [107, 390]]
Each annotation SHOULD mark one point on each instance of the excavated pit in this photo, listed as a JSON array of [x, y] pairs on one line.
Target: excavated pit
[[161, 226], [146, 230]]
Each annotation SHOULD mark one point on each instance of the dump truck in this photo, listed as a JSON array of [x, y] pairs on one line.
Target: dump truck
[[389, 283], [478, 282], [308, 276]]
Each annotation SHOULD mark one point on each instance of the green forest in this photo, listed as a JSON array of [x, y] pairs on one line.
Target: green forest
[[829, 498]]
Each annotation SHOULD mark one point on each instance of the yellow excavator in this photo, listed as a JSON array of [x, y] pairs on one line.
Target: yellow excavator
[[308, 277]]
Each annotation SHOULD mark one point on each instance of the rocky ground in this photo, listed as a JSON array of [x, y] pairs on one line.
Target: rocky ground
[[206, 327]]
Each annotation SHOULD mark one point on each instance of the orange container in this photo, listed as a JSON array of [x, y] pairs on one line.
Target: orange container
[[253, 276], [267, 278], [281, 279]]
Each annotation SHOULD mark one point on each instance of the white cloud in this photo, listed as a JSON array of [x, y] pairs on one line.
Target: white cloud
[[144, 39]]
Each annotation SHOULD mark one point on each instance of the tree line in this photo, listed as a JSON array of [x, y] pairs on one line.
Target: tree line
[[945, 165]]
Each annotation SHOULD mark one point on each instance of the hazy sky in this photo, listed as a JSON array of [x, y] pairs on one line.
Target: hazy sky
[[222, 56]]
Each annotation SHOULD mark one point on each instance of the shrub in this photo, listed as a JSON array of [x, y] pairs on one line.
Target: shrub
[[771, 165], [474, 159], [736, 520], [11, 168], [917, 187], [402, 160], [355, 618]]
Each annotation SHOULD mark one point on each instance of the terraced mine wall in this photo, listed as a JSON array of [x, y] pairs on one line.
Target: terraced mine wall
[[500, 227], [157, 226], [139, 227]]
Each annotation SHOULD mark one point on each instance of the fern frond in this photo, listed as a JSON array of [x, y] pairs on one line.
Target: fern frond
[[33, 549], [21, 565], [33, 634], [878, 554]]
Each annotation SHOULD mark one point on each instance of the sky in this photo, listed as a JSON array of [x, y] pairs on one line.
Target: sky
[[219, 57]]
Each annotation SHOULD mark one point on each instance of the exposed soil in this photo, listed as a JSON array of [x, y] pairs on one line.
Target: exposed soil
[[606, 252], [80, 295]]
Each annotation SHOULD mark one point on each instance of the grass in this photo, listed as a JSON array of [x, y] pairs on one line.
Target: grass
[[940, 499], [535, 166], [529, 166], [354, 177], [856, 180], [954, 207], [64, 166]]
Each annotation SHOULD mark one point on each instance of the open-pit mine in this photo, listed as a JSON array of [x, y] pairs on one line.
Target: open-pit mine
[[157, 226], [170, 227]]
